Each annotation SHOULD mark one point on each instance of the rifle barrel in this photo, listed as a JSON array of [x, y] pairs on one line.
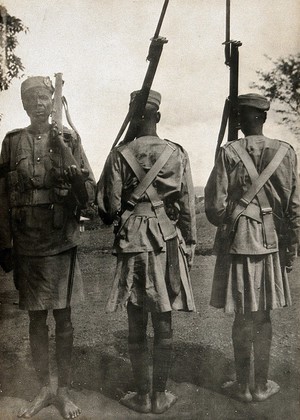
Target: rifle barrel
[[161, 18]]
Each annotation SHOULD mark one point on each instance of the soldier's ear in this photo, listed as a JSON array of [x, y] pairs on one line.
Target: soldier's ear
[[158, 117], [24, 103], [265, 117], [25, 106]]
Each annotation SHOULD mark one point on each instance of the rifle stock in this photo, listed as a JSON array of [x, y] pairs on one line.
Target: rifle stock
[[68, 159], [137, 106], [57, 124]]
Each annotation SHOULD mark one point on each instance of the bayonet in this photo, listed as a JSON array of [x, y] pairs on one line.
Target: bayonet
[[137, 106], [230, 110]]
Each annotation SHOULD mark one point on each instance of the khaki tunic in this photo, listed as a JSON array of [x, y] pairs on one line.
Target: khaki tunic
[[42, 220], [140, 275], [248, 276]]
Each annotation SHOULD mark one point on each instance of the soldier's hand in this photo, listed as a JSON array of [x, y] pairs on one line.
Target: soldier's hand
[[77, 177], [289, 261], [72, 174], [290, 256], [190, 255]]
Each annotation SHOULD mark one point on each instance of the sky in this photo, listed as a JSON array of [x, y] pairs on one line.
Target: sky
[[101, 46]]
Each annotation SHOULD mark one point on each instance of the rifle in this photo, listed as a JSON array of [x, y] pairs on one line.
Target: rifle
[[78, 185], [137, 107], [230, 110], [68, 159]]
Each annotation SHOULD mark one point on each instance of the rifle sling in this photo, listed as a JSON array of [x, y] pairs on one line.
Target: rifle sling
[[68, 116], [256, 189], [224, 121]]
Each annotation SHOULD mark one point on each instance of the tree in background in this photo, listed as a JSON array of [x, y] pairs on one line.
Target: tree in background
[[282, 85], [10, 65]]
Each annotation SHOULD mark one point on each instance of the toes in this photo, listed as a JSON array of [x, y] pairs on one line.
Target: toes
[[21, 412], [73, 414]]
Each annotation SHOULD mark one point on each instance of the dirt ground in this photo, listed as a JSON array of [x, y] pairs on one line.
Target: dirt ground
[[101, 370]]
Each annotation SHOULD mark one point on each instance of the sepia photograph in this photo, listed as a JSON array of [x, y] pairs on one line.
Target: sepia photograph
[[149, 209]]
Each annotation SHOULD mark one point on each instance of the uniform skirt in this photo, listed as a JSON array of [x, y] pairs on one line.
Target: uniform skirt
[[140, 278], [247, 283], [43, 281]]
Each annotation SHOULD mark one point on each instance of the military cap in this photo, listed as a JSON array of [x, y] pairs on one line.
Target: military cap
[[254, 100], [36, 82], [154, 97]]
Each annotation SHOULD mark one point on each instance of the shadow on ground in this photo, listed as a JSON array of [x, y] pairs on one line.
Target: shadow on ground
[[111, 371]]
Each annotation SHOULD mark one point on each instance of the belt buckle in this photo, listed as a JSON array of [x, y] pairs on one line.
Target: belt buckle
[[130, 205], [244, 202], [157, 204], [266, 210]]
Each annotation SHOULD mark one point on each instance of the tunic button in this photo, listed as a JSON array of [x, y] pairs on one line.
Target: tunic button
[[39, 137], [38, 159]]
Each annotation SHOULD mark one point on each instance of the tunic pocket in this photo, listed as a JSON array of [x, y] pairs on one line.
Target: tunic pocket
[[15, 187]]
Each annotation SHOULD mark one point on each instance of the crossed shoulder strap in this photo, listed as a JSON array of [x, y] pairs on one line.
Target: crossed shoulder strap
[[256, 189], [167, 228], [145, 186]]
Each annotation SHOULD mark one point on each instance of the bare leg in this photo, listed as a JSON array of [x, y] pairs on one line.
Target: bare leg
[[242, 336], [38, 335], [138, 351], [162, 400], [262, 326], [64, 346]]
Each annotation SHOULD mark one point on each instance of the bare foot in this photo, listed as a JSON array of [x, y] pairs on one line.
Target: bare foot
[[137, 402], [238, 391], [67, 408], [162, 401], [42, 400], [263, 392]]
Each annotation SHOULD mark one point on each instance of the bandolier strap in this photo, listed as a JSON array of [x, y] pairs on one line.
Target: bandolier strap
[[245, 205]]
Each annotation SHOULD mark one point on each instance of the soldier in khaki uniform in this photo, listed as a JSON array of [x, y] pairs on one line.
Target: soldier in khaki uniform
[[144, 281], [40, 205], [252, 195]]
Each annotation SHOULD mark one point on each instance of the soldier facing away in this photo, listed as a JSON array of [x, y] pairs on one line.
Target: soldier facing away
[[39, 202], [146, 190], [252, 195]]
